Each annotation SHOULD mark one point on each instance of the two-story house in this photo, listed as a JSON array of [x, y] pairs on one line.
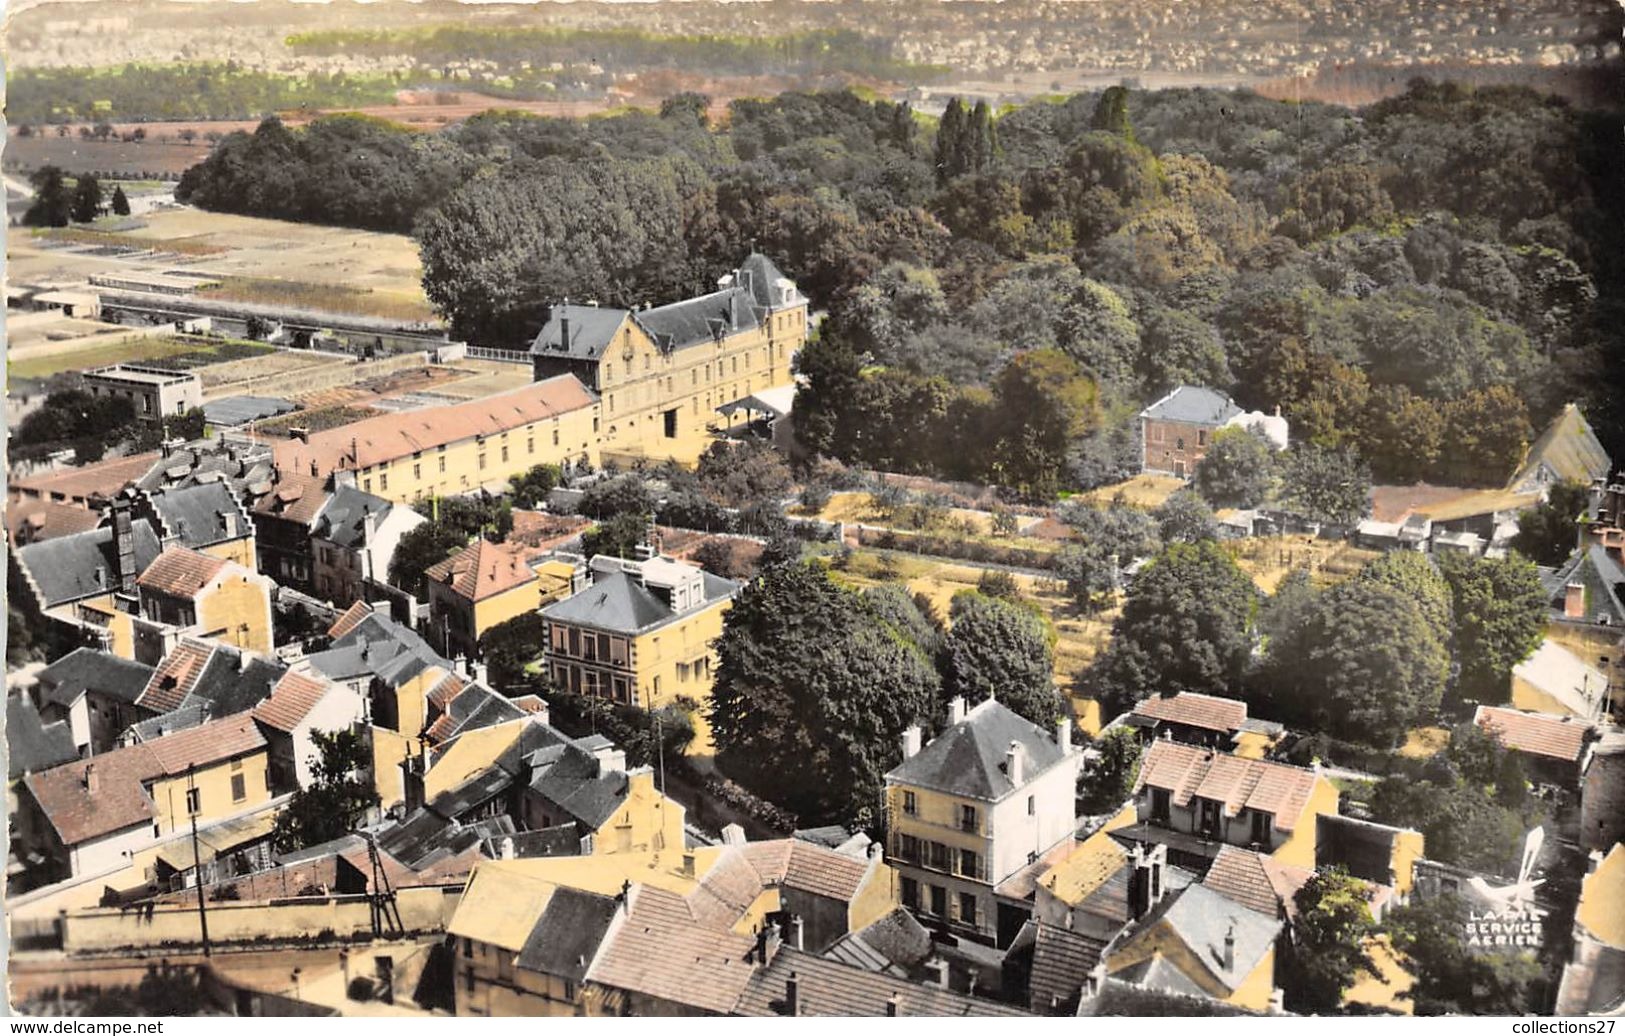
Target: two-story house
[[1193, 800], [486, 584], [1176, 430], [188, 593], [663, 372], [980, 804], [353, 540]]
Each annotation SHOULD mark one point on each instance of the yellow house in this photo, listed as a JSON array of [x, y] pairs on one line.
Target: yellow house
[[1195, 799], [1599, 939], [92, 815], [663, 372], [643, 633], [186, 592], [1202, 943], [486, 584], [447, 450]]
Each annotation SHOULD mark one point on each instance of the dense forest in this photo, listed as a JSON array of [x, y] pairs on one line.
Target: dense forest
[[1424, 280]]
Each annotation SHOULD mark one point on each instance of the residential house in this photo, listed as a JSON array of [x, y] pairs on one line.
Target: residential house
[[187, 593], [1593, 981], [794, 983], [1567, 450], [30, 521], [1206, 720], [92, 815], [300, 706], [198, 681], [91, 486], [205, 517], [1587, 609], [664, 372], [642, 633], [32, 746], [486, 584], [1200, 942], [352, 541], [1554, 748], [1194, 799], [1381, 854], [458, 448], [1556, 680], [1177, 429], [94, 693], [79, 589], [1097, 888], [285, 520], [973, 816], [154, 392]]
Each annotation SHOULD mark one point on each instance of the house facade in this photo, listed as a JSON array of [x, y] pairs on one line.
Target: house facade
[[1176, 430], [187, 593], [352, 541]]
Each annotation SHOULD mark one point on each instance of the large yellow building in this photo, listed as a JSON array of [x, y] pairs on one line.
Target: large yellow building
[[447, 450], [663, 372], [643, 633]]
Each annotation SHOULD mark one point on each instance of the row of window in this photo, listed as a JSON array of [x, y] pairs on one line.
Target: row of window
[[968, 814], [934, 902], [417, 466], [967, 863], [1209, 817], [1157, 433]]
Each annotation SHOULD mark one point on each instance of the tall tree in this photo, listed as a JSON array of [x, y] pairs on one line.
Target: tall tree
[[1451, 977], [1186, 625], [1237, 471], [1186, 518], [1323, 484], [1500, 619], [1549, 532], [1417, 576], [52, 203], [87, 199], [121, 203], [950, 147], [1001, 649], [1111, 113], [1109, 779], [1331, 923], [336, 801], [1047, 402]]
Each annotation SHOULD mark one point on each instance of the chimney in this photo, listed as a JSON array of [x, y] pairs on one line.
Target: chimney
[[911, 741], [688, 865], [228, 524], [505, 851], [564, 326], [767, 944], [792, 995], [1012, 762], [894, 1005], [956, 710], [1230, 949], [1063, 734], [369, 526], [92, 782], [733, 834], [1139, 885], [1094, 980], [733, 312], [625, 897], [123, 545], [936, 970], [798, 932], [313, 470], [1574, 601]]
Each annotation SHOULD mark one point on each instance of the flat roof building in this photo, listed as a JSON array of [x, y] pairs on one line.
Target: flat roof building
[[155, 393]]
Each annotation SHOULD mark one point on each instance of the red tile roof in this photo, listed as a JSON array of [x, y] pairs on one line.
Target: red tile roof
[[389, 437], [1196, 710], [483, 569], [181, 572], [1556, 737], [447, 690], [1187, 772], [103, 479], [296, 496], [173, 679], [1256, 881], [290, 702], [659, 951], [30, 521], [120, 798], [349, 620]]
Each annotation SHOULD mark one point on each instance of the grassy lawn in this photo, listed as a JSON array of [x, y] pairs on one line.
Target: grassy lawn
[[85, 236], [957, 522], [1425, 742], [1147, 491], [177, 353], [327, 298]]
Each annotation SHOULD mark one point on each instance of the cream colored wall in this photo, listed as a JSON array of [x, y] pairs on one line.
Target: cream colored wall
[[1409, 846], [240, 606], [1255, 991], [877, 897], [646, 822], [510, 604], [527, 446], [214, 787], [657, 654], [1299, 849], [389, 750], [240, 550], [504, 990]]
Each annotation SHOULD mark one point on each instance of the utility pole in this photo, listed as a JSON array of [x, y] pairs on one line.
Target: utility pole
[[197, 859]]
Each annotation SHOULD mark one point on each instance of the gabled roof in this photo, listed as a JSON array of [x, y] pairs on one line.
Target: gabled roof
[[1192, 405], [1196, 710], [567, 935], [575, 781], [1537, 733], [763, 277], [33, 521], [1187, 772], [896, 944], [70, 568], [483, 569], [120, 801], [181, 572], [196, 515], [86, 669], [295, 496], [218, 679], [33, 745], [661, 952], [1567, 450], [1604, 581], [829, 988], [349, 619], [592, 328], [343, 520], [377, 646], [1062, 960], [1256, 881], [1157, 974], [1202, 919], [389, 437], [175, 676], [968, 758], [101, 480], [1560, 674], [678, 325], [292, 699]]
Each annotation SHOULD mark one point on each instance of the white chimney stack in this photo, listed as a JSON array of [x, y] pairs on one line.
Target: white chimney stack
[[1063, 734], [1012, 762], [911, 741], [956, 710]]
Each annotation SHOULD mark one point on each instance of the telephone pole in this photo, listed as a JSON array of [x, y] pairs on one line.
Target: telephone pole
[[197, 859]]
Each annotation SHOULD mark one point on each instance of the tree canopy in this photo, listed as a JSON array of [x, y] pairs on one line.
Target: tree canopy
[[996, 648]]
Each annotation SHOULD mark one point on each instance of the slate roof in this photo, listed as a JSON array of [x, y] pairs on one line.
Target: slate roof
[[1537, 733], [342, 522], [592, 328], [1604, 582], [86, 669], [181, 572], [618, 603], [193, 514], [120, 801], [483, 569], [567, 935], [968, 758], [233, 461], [377, 646], [64, 568], [1062, 960], [1192, 405], [571, 779], [1156, 973], [1202, 918], [896, 944], [1187, 772], [761, 275], [678, 325], [294, 496], [1158, 997], [1196, 710], [292, 699], [217, 678], [388, 437], [830, 988], [32, 744]]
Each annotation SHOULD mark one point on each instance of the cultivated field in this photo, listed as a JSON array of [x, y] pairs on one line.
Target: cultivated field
[[86, 353], [147, 160]]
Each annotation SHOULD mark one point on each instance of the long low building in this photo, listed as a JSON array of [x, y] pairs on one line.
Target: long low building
[[446, 450]]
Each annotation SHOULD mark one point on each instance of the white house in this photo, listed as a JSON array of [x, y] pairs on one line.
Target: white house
[[301, 704], [353, 540]]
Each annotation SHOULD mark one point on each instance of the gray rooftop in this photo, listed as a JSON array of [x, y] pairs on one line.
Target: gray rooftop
[[239, 410], [591, 328], [342, 518], [618, 603], [1192, 405], [575, 782], [566, 936], [32, 744], [968, 758], [1203, 918], [1604, 582], [702, 319], [196, 514], [378, 646], [86, 669], [65, 568]]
